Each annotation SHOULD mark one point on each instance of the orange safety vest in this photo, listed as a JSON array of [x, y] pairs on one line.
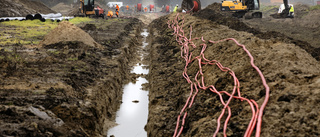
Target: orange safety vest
[[117, 7], [110, 14], [145, 9], [127, 7]]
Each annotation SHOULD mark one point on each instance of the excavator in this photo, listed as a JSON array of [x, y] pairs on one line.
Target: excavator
[[239, 7], [87, 9], [284, 11]]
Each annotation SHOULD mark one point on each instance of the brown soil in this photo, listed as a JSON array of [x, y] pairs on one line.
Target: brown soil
[[67, 32], [304, 27], [63, 8], [67, 88], [267, 28], [21, 8], [292, 74]]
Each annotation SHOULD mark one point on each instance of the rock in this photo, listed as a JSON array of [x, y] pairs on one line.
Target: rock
[[135, 101]]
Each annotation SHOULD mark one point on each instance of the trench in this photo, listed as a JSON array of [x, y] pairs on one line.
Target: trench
[[132, 116]]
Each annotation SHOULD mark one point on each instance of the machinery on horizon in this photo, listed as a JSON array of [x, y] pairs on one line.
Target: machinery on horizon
[[286, 10], [87, 8], [243, 8], [239, 7]]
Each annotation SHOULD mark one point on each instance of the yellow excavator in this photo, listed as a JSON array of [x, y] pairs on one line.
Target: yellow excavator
[[239, 7], [87, 8]]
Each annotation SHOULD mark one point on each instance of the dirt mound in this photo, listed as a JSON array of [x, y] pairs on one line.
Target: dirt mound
[[22, 8], [291, 73], [63, 8], [311, 19], [68, 32], [213, 13]]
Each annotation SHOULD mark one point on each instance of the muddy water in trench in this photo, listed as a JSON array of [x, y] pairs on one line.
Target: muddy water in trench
[[133, 113]]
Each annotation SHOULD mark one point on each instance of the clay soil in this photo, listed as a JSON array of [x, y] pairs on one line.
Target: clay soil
[[67, 86], [290, 66], [21, 8]]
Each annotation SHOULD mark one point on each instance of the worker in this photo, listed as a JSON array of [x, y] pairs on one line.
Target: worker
[[175, 8], [117, 7], [127, 7], [291, 11], [117, 13], [145, 9], [110, 14]]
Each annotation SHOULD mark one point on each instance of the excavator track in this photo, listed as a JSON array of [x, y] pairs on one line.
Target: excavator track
[[194, 5]]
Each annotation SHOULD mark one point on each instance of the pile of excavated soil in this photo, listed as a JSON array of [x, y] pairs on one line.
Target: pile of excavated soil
[[311, 20], [21, 8], [292, 74], [280, 29], [65, 32], [63, 8]]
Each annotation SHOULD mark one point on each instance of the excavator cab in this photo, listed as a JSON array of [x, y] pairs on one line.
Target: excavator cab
[[87, 9], [88, 5]]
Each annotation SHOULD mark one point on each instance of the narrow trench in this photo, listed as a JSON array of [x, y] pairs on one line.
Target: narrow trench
[[133, 113]]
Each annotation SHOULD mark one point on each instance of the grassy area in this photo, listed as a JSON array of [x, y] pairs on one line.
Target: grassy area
[[24, 32], [317, 7], [79, 20], [268, 8], [29, 32]]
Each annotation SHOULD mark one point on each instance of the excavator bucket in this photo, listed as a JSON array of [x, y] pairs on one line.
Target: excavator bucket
[[191, 5]]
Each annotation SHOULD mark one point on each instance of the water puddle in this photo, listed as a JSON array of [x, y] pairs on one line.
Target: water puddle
[[133, 113]]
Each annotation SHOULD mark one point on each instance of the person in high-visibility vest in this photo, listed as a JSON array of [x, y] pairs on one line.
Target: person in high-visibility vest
[[175, 9], [117, 7], [291, 12], [127, 7], [145, 9], [110, 14], [117, 13]]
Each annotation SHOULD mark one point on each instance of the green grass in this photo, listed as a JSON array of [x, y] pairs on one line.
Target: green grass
[[268, 8], [25, 32], [30, 32], [79, 20], [316, 7]]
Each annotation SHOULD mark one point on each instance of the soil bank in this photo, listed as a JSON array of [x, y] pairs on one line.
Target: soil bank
[[21, 8], [67, 88], [292, 74]]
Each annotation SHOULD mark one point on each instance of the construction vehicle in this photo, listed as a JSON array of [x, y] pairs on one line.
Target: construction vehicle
[[239, 7], [242, 8], [87, 8], [284, 10]]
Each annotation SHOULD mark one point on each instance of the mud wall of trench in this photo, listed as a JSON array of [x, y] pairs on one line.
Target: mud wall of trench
[[67, 88], [291, 73]]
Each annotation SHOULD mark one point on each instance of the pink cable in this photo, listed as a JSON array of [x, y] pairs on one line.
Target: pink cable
[[185, 43]]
